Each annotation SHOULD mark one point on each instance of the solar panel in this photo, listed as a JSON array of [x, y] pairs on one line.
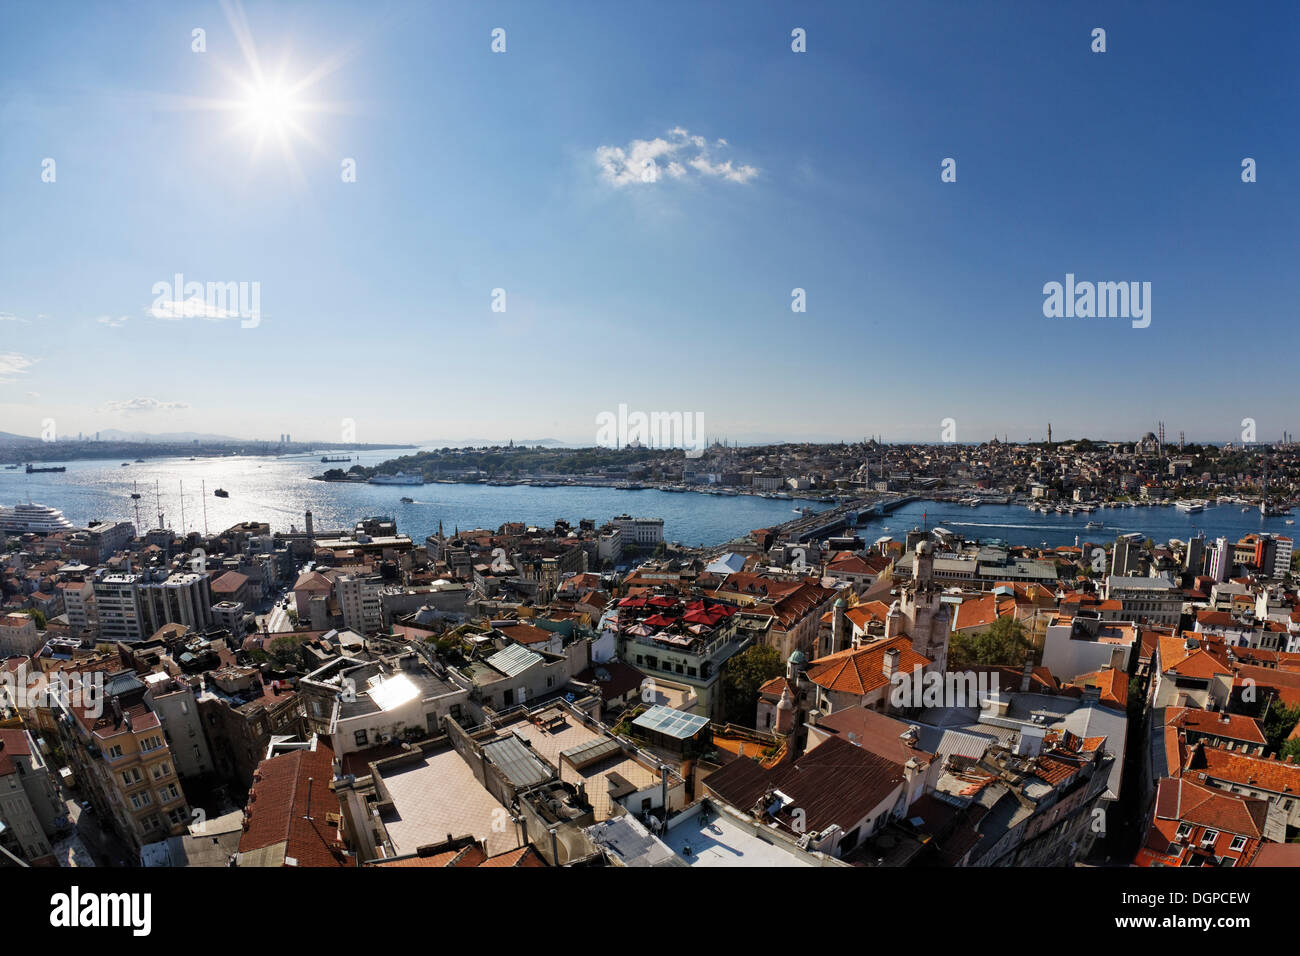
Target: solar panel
[[673, 723]]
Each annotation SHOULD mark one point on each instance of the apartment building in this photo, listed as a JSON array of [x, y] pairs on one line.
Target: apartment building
[[123, 762], [360, 602], [642, 532], [132, 606], [18, 636], [30, 807]]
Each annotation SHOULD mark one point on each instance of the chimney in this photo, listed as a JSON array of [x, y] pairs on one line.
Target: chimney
[[890, 663], [1027, 677]]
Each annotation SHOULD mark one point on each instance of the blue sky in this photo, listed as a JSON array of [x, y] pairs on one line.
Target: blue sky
[[478, 171]]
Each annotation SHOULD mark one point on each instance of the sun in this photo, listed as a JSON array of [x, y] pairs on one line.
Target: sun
[[272, 107]]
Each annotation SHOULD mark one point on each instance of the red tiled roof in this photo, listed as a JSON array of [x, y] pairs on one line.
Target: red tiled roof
[[278, 810]]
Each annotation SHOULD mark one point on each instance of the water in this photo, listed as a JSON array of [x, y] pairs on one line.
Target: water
[[1017, 525], [279, 491]]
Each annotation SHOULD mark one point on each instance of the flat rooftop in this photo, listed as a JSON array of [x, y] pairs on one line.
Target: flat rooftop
[[437, 796], [573, 733], [711, 838]]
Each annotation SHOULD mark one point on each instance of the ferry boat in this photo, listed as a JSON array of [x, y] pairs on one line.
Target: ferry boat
[[37, 519], [1094, 525], [407, 501], [401, 478], [1190, 507], [221, 493]]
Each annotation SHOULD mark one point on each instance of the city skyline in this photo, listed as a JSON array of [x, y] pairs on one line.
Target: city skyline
[[524, 172]]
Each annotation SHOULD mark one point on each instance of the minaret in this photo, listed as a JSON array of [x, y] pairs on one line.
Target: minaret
[[1049, 436]]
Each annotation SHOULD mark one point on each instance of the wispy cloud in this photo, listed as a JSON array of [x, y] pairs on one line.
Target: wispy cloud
[[13, 364], [111, 321], [681, 155], [141, 406], [10, 317], [192, 308]]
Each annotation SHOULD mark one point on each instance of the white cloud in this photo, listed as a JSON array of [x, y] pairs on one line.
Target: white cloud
[[11, 364], [192, 308], [137, 406], [112, 322], [650, 160]]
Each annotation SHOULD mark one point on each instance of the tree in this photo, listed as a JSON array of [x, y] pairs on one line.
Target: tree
[[36, 616], [1279, 723], [1003, 642], [284, 651], [745, 674]]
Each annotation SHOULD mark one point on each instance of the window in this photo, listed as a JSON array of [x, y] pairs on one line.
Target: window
[[1238, 844], [141, 800], [360, 737], [1208, 837], [1184, 829], [198, 754], [168, 793], [115, 751]]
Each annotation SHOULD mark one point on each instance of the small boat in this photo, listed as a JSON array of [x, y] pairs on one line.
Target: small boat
[[139, 461], [407, 501], [1290, 521], [221, 493], [126, 464], [1093, 525]]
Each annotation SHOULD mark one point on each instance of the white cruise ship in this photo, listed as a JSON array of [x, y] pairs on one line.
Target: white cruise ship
[[21, 519], [397, 478], [1190, 507]]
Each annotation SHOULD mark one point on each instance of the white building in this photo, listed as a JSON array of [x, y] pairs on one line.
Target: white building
[[639, 531]]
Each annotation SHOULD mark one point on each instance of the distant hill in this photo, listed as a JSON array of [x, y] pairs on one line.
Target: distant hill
[[9, 438], [116, 434], [488, 442]]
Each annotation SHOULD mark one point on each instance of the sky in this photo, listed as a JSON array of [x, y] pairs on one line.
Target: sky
[[505, 264]]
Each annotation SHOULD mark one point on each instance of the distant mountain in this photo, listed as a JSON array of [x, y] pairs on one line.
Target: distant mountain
[[116, 434], [481, 442]]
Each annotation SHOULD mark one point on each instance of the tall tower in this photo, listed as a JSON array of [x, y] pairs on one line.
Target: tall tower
[[1049, 435], [1160, 438]]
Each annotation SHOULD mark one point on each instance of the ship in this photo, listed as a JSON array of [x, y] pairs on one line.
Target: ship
[[1094, 525], [221, 493], [328, 460], [1190, 507], [32, 470], [407, 501], [398, 478], [31, 518]]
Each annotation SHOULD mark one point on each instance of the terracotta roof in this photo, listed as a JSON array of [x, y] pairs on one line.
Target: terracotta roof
[[1229, 726], [861, 670], [278, 810], [834, 783]]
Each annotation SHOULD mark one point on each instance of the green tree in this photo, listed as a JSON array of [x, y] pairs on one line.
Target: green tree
[[36, 616], [745, 674], [1003, 642], [284, 651], [1279, 723]]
